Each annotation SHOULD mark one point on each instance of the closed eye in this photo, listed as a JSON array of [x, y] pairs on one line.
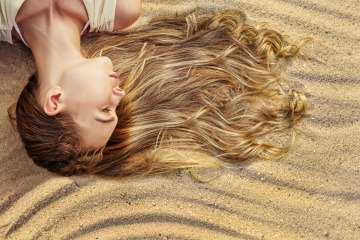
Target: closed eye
[[105, 121]]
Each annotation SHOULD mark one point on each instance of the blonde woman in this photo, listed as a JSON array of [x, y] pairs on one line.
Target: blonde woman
[[198, 83]]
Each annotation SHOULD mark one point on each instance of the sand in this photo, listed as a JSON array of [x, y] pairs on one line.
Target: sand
[[311, 193]]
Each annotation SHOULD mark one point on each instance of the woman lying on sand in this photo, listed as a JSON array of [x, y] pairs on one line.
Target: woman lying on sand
[[198, 82]]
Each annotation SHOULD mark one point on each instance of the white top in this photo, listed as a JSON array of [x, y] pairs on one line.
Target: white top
[[8, 11], [101, 15]]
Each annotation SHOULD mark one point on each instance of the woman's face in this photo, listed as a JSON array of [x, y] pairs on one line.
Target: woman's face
[[91, 93]]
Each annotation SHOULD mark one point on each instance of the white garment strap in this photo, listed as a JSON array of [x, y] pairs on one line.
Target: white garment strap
[[87, 24], [19, 32]]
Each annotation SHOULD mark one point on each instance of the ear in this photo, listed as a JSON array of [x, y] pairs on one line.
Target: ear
[[53, 104]]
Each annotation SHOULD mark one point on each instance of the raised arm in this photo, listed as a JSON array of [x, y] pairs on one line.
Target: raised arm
[[127, 12]]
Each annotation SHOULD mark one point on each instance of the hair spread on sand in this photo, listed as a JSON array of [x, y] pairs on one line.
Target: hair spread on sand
[[196, 84]]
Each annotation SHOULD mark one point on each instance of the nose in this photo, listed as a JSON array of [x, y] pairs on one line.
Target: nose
[[118, 92]]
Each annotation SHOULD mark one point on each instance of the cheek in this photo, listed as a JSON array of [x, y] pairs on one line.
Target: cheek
[[96, 92], [88, 90]]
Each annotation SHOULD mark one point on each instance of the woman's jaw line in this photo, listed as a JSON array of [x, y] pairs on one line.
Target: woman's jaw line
[[52, 76]]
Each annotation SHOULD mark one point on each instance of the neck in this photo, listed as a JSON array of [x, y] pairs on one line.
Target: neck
[[55, 42]]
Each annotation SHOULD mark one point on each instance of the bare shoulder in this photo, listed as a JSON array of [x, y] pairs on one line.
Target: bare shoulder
[[31, 8], [127, 12]]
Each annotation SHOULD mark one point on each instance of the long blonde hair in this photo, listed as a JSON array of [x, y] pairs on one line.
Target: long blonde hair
[[202, 83], [196, 84]]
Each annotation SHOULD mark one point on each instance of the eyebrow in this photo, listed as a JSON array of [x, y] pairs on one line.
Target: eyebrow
[[105, 121]]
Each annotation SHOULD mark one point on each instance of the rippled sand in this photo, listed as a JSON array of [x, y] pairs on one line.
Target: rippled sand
[[311, 193]]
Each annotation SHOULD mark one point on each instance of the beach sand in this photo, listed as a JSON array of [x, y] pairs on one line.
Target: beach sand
[[311, 193]]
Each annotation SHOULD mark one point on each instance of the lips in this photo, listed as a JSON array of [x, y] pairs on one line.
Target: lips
[[114, 75]]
